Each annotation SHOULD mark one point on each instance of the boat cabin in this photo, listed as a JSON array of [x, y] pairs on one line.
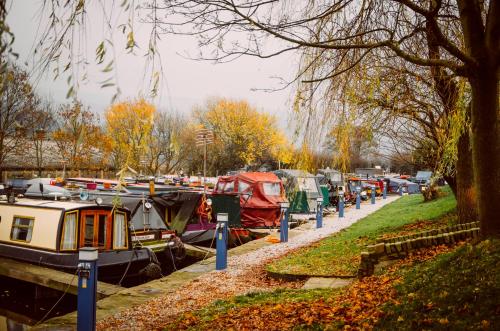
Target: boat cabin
[[63, 225], [50, 233]]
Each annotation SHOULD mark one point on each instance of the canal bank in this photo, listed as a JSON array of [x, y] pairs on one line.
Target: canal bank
[[146, 305]]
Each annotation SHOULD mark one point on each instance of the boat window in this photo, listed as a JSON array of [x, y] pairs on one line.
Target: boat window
[[307, 184], [68, 240], [119, 231], [89, 230], [102, 231], [229, 187], [242, 186], [272, 189], [22, 228]]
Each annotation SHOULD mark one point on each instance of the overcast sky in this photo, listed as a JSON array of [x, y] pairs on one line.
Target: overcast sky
[[186, 82]]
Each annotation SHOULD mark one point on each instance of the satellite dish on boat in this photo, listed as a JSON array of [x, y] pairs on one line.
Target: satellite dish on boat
[[84, 195]]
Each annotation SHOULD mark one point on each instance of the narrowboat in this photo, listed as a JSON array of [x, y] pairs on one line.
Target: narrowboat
[[50, 233], [149, 229], [188, 214]]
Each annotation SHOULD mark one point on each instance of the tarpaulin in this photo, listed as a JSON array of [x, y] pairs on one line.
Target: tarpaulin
[[260, 196]]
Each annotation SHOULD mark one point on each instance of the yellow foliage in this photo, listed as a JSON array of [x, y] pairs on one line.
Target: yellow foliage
[[129, 125], [248, 136]]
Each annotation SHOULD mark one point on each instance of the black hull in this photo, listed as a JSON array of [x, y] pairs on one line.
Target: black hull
[[112, 265]]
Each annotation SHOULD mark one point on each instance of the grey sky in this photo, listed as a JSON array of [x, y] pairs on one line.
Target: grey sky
[[189, 82]]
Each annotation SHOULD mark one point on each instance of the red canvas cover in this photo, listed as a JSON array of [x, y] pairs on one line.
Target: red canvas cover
[[262, 208]]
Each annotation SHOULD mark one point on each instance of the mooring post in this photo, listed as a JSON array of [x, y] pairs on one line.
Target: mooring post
[[87, 288], [284, 221], [221, 245], [319, 213], [358, 197], [384, 194], [373, 194], [341, 204]]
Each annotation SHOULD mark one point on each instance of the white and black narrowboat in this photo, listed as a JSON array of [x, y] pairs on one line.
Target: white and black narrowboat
[[50, 233]]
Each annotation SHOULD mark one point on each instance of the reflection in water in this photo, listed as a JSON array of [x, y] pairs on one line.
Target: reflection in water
[[7, 324], [23, 304]]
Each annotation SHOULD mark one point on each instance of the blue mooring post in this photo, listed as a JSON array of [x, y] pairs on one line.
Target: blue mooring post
[[358, 197], [87, 288], [319, 213], [373, 194], [385, 190], [341, 204], [284, 222], [221, 245]]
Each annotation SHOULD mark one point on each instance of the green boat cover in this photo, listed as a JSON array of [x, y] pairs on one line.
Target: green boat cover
[[229, 204], [299, 203], [324, 192], [184, 215]]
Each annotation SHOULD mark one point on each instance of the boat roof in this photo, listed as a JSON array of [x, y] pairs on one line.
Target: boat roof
[[59, 204], [293, 173], [253, 177]]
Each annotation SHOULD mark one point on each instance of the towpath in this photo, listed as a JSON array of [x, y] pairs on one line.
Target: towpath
[[153, 305]]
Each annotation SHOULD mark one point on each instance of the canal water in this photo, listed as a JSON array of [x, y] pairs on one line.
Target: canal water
[[23, 304]]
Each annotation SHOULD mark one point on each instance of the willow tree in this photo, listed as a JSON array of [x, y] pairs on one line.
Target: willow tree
[[467, 32]]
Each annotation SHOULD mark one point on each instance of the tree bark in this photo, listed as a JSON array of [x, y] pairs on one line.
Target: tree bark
[[465, 190], [486, 146], [452, 182]]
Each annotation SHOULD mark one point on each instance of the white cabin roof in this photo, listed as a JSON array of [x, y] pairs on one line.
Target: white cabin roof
[[65, 205]]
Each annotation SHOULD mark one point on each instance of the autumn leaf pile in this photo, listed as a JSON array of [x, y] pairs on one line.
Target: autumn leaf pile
[[158, 312], [359, 307]]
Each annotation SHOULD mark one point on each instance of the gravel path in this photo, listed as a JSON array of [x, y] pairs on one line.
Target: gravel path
[[243, 275]]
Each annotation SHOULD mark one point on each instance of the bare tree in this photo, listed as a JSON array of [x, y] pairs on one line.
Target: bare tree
[[42, 123], [16, 101], [164, 149]]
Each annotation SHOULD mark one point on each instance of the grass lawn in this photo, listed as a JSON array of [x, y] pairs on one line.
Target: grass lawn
[[338, 255]]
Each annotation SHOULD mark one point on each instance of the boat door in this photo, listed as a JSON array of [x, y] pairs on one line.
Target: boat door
[[95, 229]]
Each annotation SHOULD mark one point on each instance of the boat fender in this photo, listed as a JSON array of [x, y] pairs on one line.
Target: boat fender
[[151, 271], [176, 248], [152, 255]]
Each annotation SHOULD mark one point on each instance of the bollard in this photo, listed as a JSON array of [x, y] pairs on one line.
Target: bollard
[[401, 190], [384, 194], [373, 194], [319, 213], [341, 204], [221, 245], [87, 288], [284, 222], [358, 197]]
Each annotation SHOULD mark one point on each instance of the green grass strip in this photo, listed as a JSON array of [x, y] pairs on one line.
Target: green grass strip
[[338, 255]]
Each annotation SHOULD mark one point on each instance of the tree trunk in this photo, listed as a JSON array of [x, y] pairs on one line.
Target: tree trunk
[[452, 182], [486, 146], [465, 190]]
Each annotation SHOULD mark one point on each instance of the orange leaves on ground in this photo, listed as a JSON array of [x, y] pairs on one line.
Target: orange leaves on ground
[[359, 307]]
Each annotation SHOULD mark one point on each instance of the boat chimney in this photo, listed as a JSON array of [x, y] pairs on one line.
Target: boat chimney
[[11, 196]]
